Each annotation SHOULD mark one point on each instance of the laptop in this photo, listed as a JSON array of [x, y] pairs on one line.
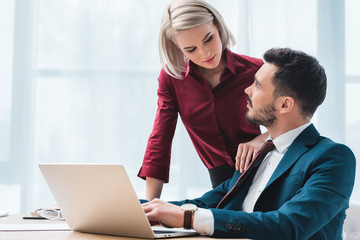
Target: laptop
[[99, 198]]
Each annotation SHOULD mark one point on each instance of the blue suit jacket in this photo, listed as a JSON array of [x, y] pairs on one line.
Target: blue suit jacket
[[305, 198]]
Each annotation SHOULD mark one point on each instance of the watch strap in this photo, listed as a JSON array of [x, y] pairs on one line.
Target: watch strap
[[188, 214]]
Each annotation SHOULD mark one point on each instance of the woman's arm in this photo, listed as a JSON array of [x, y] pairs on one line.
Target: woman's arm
[[156, 163], [153, 188]]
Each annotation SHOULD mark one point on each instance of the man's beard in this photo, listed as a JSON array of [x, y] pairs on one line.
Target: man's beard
[[265, 116]]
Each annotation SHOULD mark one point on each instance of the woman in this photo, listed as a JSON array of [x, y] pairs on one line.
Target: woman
[[204, 82]]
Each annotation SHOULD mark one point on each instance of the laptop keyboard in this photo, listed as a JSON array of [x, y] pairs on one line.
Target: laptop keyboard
[[163, 231]]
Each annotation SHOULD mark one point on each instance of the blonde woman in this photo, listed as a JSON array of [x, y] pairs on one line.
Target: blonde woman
[[203, 82]]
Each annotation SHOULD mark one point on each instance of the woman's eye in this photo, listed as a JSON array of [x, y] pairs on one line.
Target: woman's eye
[[209, 39], [191, 50]]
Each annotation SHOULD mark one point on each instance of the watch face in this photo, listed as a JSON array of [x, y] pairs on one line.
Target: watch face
[[189, 206]]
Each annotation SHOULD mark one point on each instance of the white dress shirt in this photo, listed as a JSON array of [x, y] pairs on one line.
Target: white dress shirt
[[203, 218]]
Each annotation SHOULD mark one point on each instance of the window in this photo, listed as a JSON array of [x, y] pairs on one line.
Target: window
[[82, 87]]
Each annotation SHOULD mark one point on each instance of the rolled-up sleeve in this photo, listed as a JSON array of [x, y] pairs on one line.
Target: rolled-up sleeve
[[156, 161]]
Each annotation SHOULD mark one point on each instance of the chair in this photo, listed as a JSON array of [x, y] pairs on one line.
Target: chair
[[351, 228]]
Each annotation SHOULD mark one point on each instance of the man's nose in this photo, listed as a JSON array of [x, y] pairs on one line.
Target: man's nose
[[247, 90]]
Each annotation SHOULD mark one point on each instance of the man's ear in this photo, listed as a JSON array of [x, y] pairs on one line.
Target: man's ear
[[287, 104]]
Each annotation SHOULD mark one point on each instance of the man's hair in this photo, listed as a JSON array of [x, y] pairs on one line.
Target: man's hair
[[299, 76], [182, 15]]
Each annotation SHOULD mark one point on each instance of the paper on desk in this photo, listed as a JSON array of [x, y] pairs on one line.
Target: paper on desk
[[34, 227], [4, 214]]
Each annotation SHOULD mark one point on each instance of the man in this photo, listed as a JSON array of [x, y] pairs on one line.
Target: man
[[301, 188]]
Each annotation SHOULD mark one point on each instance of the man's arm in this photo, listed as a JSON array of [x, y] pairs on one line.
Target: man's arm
[[170, 213]]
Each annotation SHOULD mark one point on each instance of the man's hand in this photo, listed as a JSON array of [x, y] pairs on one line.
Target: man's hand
[[247, 151], [164, 213]]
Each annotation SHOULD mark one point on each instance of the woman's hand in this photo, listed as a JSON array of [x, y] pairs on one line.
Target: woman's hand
[[247, 151], [160, 212]]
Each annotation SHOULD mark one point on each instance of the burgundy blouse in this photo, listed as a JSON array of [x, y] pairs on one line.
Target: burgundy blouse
[[214, 118]]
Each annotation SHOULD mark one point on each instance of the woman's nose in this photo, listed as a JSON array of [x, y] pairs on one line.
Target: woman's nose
[[206, 51]]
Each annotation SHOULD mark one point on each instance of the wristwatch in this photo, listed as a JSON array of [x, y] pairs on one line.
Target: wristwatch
[[189, 210]]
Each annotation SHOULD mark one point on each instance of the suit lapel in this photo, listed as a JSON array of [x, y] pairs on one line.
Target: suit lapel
[[237, 174], [305, 141], [301, 144]]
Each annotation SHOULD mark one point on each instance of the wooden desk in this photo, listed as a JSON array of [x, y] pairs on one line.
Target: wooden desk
[[57, 235]]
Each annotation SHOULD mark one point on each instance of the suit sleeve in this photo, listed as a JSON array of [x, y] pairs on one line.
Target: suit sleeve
[[320, 200], [209, 199], [156, 161]]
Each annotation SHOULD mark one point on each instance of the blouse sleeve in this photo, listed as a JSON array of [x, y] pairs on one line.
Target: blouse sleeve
[[156, 161]]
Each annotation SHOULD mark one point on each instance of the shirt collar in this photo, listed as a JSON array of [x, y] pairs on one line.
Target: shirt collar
[[230, 63], [283, 141]]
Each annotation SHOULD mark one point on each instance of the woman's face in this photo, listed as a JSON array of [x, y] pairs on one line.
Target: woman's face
[[201, 44]]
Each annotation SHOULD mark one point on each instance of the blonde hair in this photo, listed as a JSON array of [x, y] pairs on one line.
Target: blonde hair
[[181, 15]]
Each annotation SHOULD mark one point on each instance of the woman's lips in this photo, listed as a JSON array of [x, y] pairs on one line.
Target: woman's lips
[[210, 60]]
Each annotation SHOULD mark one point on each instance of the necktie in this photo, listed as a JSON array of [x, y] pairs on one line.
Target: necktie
[[267, 147]]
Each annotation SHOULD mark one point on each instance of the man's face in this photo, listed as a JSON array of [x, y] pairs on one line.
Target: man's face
[[261, 102]]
